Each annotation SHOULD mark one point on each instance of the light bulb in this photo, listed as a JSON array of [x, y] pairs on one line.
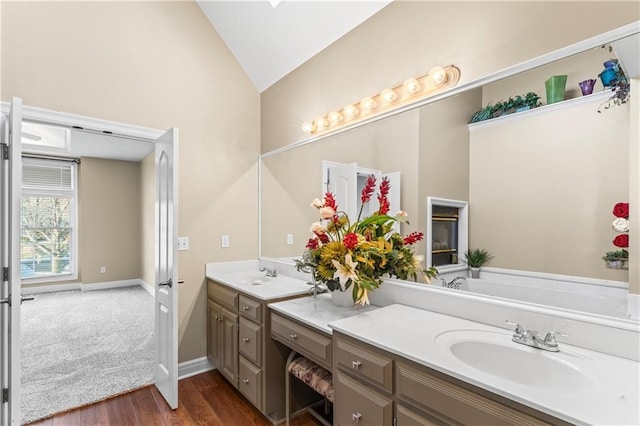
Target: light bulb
[[350, 111], [438, 75], [335, 117], [308, 127], [368, 104], [321, 123], [388, 95], [411, 85]]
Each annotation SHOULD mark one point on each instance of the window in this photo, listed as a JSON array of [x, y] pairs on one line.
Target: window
[[48, 220]]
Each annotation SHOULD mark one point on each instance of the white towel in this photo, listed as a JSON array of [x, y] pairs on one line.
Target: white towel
[[620, 224]]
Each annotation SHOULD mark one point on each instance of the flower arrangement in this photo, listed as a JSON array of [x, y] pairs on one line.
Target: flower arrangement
[[357, 255]]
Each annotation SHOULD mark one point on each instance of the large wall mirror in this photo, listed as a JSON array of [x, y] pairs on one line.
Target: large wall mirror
[[540, 185]]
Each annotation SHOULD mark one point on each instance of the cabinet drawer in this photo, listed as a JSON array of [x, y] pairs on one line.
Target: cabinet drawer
[[223, 295], [250, 382], [309, 343], [359, 405], [459, 404], [363, 363], [408, 417], [250, 308], [250, 341]]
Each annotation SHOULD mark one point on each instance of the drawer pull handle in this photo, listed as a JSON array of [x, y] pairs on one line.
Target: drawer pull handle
[[219, 318], [245, 339], [356, 364], [245, 381], [356, 417], [293, 336], [246, 308]]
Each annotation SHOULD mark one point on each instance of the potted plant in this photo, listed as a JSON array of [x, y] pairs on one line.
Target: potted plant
[[619, 86], [616, 259], [477, 258], [513, 104]]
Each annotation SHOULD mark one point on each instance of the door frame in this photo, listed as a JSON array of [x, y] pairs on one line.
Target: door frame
[[111, 128]]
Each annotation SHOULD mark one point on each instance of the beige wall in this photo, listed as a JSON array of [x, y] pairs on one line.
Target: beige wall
[[542, 188], [147, 219], [407, 38], [108, 213], [159, 65]]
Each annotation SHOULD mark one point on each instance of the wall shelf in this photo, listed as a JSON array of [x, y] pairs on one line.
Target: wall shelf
[[599, 97]]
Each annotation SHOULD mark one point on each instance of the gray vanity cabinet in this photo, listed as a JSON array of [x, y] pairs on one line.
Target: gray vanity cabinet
[[239, 345], [374, 387]]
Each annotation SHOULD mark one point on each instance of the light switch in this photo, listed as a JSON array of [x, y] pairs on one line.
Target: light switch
[[224, 241], [289, 239]]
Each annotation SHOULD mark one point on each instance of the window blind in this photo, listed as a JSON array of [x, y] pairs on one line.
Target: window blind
[[50, 176]]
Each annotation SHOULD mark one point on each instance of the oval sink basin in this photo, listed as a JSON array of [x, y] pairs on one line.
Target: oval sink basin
[[494, 354]]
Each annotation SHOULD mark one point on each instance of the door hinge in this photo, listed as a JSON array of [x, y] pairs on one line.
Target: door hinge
[[5, 151], [5, 395], [395, 421], [5, 273]]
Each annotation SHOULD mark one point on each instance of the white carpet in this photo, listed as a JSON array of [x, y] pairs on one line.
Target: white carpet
[[81, 347]]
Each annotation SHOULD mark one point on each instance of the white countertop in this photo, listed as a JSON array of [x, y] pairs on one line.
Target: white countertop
[[269, 288], [414, 333], [318, 312]]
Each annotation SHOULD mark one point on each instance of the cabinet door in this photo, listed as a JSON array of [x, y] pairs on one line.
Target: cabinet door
[[213, 332], [229, 346], [357, 404]]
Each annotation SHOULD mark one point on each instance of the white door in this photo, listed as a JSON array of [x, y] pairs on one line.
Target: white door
[[11, 172], [340, 180], [166, 291]]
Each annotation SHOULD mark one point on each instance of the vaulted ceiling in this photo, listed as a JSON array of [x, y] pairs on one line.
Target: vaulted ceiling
[[271, 38]]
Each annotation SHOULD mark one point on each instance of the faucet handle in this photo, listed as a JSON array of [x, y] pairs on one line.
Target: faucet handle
[[550, 338], [519, 331]]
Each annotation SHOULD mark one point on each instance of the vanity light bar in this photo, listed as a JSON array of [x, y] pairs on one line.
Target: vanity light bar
[[411, 90]]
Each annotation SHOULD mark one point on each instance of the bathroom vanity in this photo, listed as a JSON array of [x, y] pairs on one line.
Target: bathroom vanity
[[450, 360], [238, 335]]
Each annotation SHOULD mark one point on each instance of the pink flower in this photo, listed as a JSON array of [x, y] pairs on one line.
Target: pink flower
[[327, 212], [382, 196], [312, 244], [318, 228]]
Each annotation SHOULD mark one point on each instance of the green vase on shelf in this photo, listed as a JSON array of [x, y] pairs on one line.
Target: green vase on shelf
[[555, 88]]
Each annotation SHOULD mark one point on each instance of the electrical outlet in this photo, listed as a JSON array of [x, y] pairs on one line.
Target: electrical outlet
[[224, 241], [103, 269], [183, 243], [289, 239]]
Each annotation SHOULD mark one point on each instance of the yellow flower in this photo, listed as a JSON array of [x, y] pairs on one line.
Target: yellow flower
[[345, 272]]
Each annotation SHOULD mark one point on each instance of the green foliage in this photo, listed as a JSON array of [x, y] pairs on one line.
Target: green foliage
[[611, 256], [476, 258], [530, 100]]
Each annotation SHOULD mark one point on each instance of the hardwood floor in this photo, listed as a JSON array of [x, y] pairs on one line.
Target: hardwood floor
[[205, 399]]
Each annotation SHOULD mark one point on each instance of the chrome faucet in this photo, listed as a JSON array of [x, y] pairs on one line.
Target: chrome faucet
[[454, 283], [269, 272], [530, 338], [316, 289]]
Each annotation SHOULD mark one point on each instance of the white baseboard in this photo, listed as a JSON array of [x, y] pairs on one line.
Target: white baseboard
[[148, 287], [194, 367], [110, 284], [50, 288]]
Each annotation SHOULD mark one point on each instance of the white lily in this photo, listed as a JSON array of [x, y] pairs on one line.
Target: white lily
[[345, 272], [363, 298]]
